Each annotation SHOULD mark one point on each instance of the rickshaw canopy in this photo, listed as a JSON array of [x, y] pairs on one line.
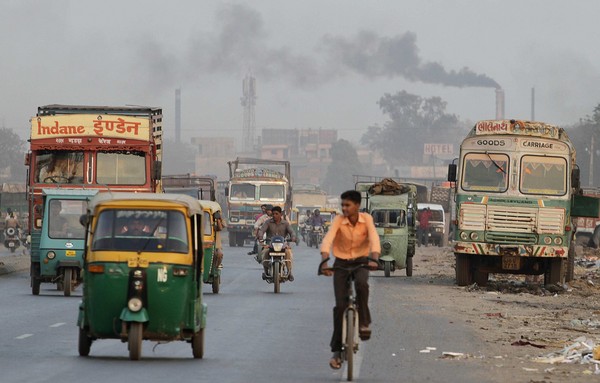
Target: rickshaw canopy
[[192, 205]]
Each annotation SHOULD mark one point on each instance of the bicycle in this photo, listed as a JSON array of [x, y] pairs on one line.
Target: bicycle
[[350, 320]]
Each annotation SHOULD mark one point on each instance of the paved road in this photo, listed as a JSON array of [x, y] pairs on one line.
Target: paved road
[[253, 335]]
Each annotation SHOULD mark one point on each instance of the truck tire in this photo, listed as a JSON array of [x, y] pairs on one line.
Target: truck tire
[[554, 271], [464, 276], [481, 278], [570, 272], [232, 239], [595, 241], [409, 266]]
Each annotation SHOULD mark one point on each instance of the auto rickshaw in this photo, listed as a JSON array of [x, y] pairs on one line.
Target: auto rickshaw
[[394, 214], [213, 249], [143, 271], [329, 215], [61, 240]]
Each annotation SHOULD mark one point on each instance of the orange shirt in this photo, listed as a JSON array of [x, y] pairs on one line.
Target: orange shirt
[[350, 242]]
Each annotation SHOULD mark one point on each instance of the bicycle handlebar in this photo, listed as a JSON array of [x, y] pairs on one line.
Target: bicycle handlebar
[[350, 269]]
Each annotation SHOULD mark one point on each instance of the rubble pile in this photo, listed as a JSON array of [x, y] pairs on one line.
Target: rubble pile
[[582, 351]]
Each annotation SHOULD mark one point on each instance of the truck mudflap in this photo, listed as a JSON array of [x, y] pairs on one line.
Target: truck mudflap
[[511, 250]]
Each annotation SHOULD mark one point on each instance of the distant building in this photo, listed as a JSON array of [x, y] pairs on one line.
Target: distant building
[[213, 155]]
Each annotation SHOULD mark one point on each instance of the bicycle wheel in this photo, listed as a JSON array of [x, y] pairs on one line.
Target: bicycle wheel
[[350, 331]]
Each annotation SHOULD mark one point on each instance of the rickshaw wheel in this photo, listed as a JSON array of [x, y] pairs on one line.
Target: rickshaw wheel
[[198, 344], [134, 339], [387, 268], [68, 282], [35, 279], [409, 266], [216, 283], [85, 343]]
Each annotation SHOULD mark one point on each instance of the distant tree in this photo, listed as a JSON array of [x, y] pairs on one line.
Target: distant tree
[[178, 158], [581, 135], [12, 155], [344, 165], [413, 122]]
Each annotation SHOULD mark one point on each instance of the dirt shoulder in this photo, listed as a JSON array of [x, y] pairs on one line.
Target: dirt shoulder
[[11, 263], [524, 325]]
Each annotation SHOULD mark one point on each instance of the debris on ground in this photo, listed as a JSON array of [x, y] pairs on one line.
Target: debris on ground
[[523, 342], [582, 351]]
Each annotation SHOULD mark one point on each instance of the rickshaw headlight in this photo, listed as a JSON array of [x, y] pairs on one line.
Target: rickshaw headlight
[[474, 236], [51, 255], [464, 236], [134, 304], [386, 245], [278, 247], [558, 241], [547, 240]]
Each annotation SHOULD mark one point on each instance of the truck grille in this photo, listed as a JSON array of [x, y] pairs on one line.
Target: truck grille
[[511, 238], [551, 221], [511, 219], [472, 217]]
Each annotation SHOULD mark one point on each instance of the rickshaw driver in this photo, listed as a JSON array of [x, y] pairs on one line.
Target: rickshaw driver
[[277, 226], [351, 236], [135, 228]]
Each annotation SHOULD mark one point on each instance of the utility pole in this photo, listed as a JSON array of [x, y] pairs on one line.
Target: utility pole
[[591, 175]]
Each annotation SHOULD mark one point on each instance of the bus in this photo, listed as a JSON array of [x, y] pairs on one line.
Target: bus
[[517, 189]]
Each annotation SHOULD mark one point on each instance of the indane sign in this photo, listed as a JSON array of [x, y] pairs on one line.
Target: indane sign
[[90, 125], [439, 149]]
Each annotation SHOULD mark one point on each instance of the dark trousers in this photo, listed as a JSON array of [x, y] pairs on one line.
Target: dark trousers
[[340, 288], [423, 235]]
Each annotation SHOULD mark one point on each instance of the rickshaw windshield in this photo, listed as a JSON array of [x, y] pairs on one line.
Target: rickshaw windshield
[[141, 230], [389, 218], [63, 219]]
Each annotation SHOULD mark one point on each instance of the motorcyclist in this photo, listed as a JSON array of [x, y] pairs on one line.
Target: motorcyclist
[[12, 222], [277, 226], [302, 222], [257, 225], [317, 219]]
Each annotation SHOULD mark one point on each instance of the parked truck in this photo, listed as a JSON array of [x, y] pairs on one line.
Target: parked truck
[[253, 182], [517, 191]]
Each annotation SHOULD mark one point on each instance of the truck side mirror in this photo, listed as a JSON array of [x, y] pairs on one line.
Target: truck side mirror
[[576, 178], [452, 169], [84, 220], [227, 191]]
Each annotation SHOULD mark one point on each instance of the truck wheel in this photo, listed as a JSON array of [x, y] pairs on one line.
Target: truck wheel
[[595, 241], [240, 239], [463, 270], [553, 274], [232, 241], [481, 278], [571, 263], [409, 266]]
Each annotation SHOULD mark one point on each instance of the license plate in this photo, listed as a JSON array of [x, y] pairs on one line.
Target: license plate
[[511, 263], [388, 231], [277, 254], [70, 253]]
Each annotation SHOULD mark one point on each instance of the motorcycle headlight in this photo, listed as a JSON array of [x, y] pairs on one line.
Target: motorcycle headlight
[[51, 255], [278, 247], [134, 304]]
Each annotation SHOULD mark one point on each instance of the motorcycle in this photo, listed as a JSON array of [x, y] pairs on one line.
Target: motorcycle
[[276, 263], [315, 236], [11, 239]]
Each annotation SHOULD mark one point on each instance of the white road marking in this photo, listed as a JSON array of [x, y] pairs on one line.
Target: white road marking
[[24, 336], [58, 324]]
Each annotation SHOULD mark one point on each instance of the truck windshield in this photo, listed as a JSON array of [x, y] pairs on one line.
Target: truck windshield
[[63, 219], [543, 175], [141, 230], [60, 167], [122, 168], [243, 191], [272, 192], [389, 218], [485, 172]]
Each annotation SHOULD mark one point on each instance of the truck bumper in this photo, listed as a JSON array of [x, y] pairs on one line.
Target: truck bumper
[[480, 248]]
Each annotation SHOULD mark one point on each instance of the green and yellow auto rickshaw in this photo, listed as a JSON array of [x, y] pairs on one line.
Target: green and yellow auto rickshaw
[[213, 248], [394, 211], [143, 271]]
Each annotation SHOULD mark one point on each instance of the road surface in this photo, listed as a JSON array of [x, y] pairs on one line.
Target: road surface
[[252, 334]]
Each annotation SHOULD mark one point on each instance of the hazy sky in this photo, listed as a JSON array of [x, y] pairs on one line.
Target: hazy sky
[[318, 63]]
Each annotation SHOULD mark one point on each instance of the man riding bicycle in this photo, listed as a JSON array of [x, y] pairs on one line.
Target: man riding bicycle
[[352, 237], [277, 226]]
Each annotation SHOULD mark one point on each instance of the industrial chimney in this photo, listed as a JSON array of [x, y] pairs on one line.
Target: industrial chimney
[[178, 115], [499, 104]]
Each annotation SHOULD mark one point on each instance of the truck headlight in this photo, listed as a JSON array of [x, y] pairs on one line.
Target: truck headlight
[[558, 241], [474, 236], [134, 304], [547, 240], [234, 219], [464, 236], [51, 255]]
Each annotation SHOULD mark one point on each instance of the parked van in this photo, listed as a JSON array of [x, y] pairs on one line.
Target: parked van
[[437, 223]]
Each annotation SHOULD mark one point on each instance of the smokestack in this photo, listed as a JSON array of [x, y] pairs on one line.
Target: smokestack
[[532, 104], [178, 115], [499, 104]]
